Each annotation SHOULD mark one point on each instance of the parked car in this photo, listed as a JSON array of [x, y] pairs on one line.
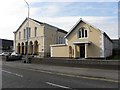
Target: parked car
[[5, 54], [14, 56]]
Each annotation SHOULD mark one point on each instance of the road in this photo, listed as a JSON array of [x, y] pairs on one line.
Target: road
[[13, 77]]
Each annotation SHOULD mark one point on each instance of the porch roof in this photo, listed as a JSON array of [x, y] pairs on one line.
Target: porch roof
[[84, 42]]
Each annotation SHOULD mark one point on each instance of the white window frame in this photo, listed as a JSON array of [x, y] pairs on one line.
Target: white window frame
[[29, 32], [35, 32], [19, 35], [81, 33], [28, 29], [24, 33]]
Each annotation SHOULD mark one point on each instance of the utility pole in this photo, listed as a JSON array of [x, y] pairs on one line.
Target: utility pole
[[27, 60]]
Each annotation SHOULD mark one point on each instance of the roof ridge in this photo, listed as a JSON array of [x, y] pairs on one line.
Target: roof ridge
[[40, 23], [79, 22], [59, 29]]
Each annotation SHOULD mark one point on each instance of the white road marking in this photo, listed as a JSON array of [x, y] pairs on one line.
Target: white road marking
[[65, 74], [12, 73], [57, 85]]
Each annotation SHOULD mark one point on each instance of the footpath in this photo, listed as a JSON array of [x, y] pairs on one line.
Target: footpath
[[101, 74]]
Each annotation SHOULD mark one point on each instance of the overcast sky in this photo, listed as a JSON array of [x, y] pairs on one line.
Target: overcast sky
[[63, 14]]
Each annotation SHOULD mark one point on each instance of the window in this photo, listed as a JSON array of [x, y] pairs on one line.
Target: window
[[59, 40], [63, 40], [24, 33], [35, 31], [28, 31], [19, 35], [79, 34], [82, 33], [85, 33]]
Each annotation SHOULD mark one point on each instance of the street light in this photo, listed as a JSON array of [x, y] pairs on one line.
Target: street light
[[28, 8], [27, 60]]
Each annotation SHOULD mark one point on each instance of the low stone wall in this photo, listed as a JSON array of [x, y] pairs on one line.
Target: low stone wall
[[85, 63], [88, 63]]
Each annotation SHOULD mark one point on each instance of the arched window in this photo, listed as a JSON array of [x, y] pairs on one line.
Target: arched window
[[19, 35], [36, 47], [24, 33], [30, 47], [70, 51], [22, 47], [82, 33], [86, 33], [18, 48], [35, 31]]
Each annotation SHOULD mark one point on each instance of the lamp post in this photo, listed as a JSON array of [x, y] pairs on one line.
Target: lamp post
[[27, 60]]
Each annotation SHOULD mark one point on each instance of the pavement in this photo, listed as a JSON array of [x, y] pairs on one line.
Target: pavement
[[91, 73]]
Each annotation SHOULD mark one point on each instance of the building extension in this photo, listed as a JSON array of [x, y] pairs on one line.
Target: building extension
[[83, 41]]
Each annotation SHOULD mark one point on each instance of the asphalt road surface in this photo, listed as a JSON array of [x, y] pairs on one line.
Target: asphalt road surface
[[13, 77]]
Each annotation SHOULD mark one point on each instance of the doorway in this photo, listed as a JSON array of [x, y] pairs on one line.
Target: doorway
[[82, 51]]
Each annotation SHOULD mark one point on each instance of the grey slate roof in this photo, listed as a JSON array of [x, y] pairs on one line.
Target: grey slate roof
[[60, 30]]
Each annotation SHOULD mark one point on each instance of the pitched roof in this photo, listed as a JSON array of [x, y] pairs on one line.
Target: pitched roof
[[63, 31], [60, 30], [20, 26], [107, 36], [36, 21], [79, 21]]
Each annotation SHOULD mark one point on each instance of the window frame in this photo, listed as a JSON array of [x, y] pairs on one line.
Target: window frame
[[82, 33], [35, 31], [24, 33], [19, 35], [28, 32], [86, 33]]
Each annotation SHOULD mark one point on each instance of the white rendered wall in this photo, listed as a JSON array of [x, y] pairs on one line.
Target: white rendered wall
[[107, 47]]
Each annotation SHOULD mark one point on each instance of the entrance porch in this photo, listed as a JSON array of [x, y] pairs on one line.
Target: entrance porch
[[81, 49]]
